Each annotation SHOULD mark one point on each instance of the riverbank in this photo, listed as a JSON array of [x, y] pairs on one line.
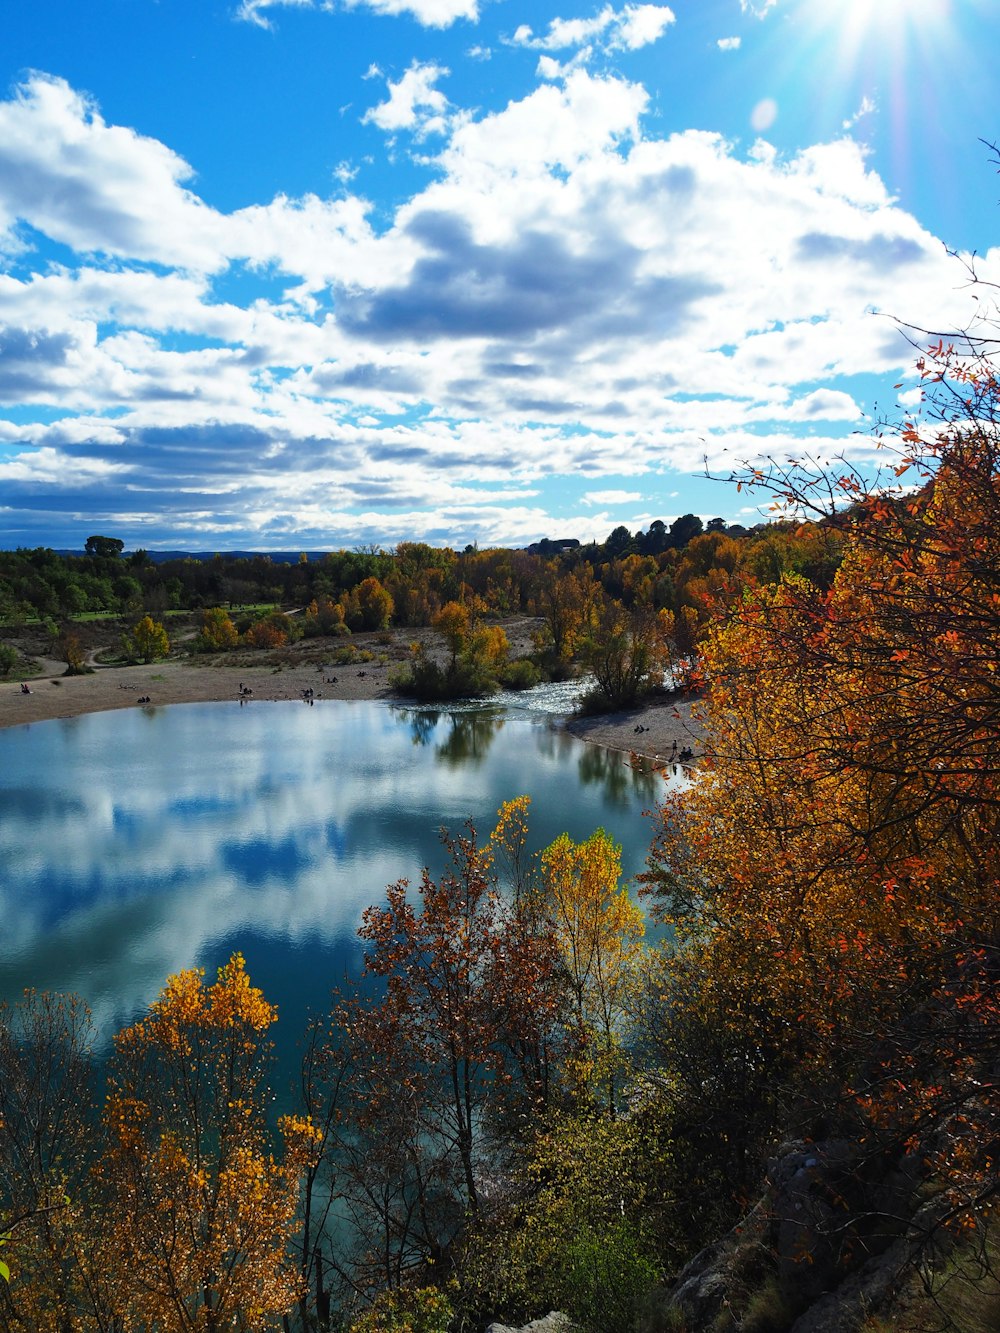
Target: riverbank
[[667, 727], [658, 729]]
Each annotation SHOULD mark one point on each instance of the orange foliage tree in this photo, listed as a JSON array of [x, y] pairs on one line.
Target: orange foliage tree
[[833, 873], [198, 1211], [217, 632]]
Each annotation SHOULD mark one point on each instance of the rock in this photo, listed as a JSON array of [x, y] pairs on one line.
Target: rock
[[552, 1323], [702, 1287]]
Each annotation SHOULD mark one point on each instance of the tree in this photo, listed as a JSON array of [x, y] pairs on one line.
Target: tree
[[48, 1121], [104, 548], [599, 930], [627, 652], [453, 622], [198, 1211], [684, 528], [454, 1042], [272, 631], [586, 1223], [149, 639], [619, 542], [217, 634], [832, 876], [369, 606], [565, 601], [68, 646]]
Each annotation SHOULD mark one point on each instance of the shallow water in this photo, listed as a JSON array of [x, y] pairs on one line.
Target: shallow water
[[138, 842]]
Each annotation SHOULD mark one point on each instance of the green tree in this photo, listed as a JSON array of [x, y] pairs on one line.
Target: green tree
[[104, 548], [627, 652]]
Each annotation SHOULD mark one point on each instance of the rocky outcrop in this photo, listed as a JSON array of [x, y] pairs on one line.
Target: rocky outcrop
[[832, 1237]]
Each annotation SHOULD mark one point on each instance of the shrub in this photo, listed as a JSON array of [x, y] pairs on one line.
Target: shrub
[[420, 1310]]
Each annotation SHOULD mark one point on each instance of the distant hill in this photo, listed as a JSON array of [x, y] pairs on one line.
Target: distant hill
[[159, 557]]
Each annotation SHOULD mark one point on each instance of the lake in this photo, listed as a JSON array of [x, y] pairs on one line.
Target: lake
[[139, 842]]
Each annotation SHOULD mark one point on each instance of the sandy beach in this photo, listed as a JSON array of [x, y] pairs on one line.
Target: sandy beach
[[186, 680]]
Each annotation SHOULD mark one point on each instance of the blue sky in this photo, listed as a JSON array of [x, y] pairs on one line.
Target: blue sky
[[289, 274]]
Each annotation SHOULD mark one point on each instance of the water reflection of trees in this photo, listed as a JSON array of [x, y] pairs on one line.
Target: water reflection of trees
[[470, 738], [468, 741], [618, 776], [423, 725]]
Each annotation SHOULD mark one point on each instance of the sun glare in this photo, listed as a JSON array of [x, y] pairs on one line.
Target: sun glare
[[879, 41], [856, 21]]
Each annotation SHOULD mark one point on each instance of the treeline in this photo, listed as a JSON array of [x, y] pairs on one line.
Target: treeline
[[679, 569]]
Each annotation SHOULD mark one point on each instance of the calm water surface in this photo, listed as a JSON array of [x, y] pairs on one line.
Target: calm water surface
[[139, 842]]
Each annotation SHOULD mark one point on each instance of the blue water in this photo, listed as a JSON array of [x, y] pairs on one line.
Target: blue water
[[138, 842]]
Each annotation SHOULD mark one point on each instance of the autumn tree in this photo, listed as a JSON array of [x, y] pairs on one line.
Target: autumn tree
[[453, 622], [48, 1126], [198, 1211], [271, 631], [564, 601], [148, 640], [217, 633], [71, 651], [368, 606], [832, 875], [324, 616], [477, 661], [453, 1043], [599, 931]]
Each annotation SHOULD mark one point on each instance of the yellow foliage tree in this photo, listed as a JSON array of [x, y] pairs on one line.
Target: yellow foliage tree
[[217, 633], [600, 933], [150, 639]]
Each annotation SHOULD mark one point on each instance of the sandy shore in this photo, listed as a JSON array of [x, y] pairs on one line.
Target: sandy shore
[[53, 695], [667, 728]]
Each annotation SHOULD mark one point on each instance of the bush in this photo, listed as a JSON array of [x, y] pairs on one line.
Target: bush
[[429, 682], [604, 1277], [521, 674]]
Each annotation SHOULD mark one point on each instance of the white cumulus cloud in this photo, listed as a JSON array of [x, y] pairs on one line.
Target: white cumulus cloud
[[414, 103], [571, 293], [428, 13], [610, 497], [629, 28], [98, 188]]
